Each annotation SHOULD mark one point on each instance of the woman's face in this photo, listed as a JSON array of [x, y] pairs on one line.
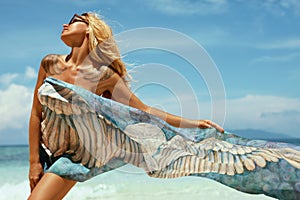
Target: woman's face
[[75, 31]]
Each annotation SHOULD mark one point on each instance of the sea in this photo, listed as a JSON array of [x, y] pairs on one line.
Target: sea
[[127, 182]]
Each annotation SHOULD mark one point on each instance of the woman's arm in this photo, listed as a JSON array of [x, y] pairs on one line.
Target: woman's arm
[[121, 93], [35, 169]]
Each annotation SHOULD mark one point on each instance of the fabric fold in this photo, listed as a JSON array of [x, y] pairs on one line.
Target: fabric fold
[[100, 134]]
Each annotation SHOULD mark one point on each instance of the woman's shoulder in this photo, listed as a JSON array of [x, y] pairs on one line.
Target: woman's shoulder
[[52, 63], [53, 57]]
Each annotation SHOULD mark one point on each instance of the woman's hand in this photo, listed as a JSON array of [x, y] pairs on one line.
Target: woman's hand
[[35, 174], [209, 124]]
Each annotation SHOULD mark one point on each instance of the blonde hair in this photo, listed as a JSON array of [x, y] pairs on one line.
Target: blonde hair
[[102, 46]]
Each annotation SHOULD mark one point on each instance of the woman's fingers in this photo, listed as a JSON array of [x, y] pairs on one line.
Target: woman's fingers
[[33, 180], [210, 124], [217, 126], [35, 174], [32, 184]]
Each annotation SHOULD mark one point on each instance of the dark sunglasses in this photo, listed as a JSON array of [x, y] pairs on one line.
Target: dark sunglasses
[[78, 18]]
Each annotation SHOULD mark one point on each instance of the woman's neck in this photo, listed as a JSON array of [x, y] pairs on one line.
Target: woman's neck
[[78, 54]]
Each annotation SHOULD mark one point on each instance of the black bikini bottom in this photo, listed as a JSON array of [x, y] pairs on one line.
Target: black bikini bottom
[[47, 160]]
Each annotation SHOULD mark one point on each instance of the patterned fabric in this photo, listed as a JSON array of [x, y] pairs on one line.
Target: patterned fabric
[[99, 135]]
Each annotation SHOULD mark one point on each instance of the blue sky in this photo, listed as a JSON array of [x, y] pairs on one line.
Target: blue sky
[[255, 46]]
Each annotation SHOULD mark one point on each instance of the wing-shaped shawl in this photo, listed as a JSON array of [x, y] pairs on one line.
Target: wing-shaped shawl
[[100, 133]]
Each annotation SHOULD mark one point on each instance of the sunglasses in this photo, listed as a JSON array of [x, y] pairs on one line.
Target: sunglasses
[[78, 18]]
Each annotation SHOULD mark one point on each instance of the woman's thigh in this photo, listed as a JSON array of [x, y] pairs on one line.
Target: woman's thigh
[[51, 186]]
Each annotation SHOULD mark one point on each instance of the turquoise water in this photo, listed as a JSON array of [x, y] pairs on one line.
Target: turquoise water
[[127, 182]]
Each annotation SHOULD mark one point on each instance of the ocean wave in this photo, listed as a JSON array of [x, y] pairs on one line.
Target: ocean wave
[[15, 191], [175, 189]]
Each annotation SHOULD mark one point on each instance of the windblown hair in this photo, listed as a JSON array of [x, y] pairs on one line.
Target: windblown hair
[[102, 46]]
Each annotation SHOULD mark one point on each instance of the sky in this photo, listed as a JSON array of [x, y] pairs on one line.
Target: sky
[[235, 62]]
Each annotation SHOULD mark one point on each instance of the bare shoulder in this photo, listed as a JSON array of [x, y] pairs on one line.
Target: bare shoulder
[[52, 57], [51, 63]]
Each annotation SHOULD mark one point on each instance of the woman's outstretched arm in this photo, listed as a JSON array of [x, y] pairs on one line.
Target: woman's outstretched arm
[[121, 93], [35, 168]]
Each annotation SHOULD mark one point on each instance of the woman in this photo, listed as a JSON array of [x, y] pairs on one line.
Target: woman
[[86, 34], [88, 122]]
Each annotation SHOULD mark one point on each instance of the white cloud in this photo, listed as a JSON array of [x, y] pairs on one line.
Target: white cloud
[[282, 7], [6, 79], [204, 7], [30, 73], [281, 58], [187, 7], [15, 108], [15, 101], [293, 43], [232, 40], [9, 78], [269, 113]]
